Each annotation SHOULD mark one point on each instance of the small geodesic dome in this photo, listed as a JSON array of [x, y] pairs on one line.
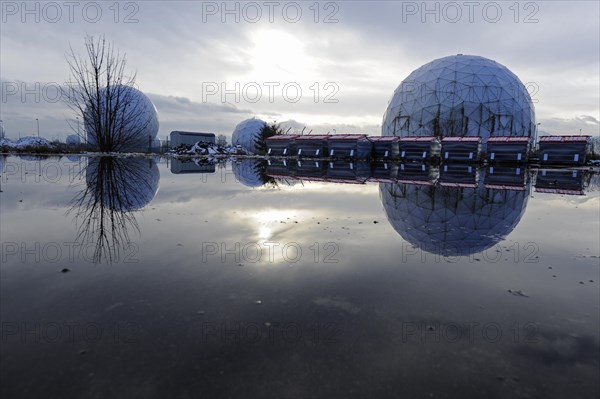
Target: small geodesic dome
[[2, 132], [73, 139], [452, 221], [460, 95], [247, 134]]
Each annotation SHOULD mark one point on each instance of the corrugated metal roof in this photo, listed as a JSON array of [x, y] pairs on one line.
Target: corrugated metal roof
[[347, 136], [313, 137], [282, 137], [506, 139], [384, 138], [461, 139], [564, 139], [419, 139], [504, 187]]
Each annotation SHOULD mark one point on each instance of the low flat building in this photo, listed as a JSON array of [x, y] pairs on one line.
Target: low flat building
[[385, 147], [190, 138], [418, 148], [507, 149], [461, 149], [312, 146], [571, 150], [355, 146], [281, 145]]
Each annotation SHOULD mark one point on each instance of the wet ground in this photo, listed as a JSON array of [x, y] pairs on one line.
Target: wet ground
[[143, 278]]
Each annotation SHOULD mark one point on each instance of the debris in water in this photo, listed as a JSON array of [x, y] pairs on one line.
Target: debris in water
[[65, 270], [258, 302], [518, 293]]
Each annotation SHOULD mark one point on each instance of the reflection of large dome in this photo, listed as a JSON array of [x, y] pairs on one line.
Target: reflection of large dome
[[135, 124], [123, 184], [247, 134], [250, 172], [452, 221], [460, 95]]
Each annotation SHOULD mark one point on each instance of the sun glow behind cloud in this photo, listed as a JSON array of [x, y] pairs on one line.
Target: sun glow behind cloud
[[278, 56]]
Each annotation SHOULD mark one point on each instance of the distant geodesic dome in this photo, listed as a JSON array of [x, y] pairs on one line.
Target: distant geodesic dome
[[136, 119], [2, 132], [452, 221], [460, 95], [247, 134], [73, 139]]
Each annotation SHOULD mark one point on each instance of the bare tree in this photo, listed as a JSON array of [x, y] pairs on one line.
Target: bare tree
[[104, 96], [221, 140]]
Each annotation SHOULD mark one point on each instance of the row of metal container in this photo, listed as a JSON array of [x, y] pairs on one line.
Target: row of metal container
[[552, 149]]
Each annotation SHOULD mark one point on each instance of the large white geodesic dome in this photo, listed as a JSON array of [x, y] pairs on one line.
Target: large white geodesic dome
[[136, 119], [460, 95], [247, 134], [452, 221]]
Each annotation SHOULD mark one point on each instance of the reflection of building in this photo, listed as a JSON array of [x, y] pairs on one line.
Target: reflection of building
[[560, 181], [179, 166], [452, 220]]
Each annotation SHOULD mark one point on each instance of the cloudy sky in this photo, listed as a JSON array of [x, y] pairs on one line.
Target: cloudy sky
[[321, 65]]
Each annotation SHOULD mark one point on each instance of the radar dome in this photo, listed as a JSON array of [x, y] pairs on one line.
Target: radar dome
[[73, 139], [247, 134], [134, 125], [460, 95]]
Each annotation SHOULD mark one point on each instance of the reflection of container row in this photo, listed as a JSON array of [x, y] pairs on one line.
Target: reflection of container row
[[552, 149], [505, 177]]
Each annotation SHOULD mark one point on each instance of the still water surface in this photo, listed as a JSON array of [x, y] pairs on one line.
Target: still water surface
[[129, 278]]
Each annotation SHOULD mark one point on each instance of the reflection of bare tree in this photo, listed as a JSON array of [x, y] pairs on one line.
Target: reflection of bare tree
[[104, 209]]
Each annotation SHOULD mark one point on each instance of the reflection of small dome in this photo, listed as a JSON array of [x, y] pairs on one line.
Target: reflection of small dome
[[460, 95], [73, 139], [249, 172], [452, 221], [137, 118], [247, 134], [2, 164], [125, 184], [74, 158]]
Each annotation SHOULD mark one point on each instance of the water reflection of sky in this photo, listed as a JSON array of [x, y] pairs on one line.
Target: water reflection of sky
[[376, 301]]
